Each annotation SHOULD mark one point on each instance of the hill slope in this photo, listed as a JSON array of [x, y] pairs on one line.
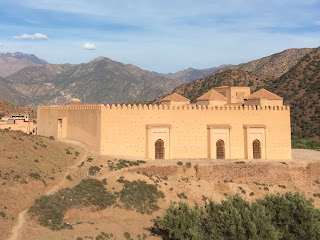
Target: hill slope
[[227, 77], [300, 87], [275, 64], [101, 80], [13, 62], [191, 74], [10, 94]]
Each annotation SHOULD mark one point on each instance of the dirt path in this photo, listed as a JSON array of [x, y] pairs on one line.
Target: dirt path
[[21, 217]]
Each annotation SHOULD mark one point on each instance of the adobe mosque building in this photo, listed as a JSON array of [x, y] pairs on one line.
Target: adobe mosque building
[[224, 123]]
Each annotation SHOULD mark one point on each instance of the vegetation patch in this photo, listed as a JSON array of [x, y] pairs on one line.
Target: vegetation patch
[[304, 143], [140, 196], [93, 170], [50, 209], [287, 216], [35, 176], [122, 163]]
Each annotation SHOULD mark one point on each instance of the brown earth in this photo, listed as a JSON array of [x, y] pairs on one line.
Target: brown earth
[[217, 180]]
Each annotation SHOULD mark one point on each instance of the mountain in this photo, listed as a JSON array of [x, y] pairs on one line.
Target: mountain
[[300, 88], [227, 77], [10, 94], [276, 64], [191, 74], [101, 80], [13, 62]]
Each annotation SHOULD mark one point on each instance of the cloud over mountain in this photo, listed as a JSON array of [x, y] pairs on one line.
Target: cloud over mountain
[[89, 46], [36, 36]]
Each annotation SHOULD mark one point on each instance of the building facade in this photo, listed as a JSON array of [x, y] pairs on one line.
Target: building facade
[[220, 125]]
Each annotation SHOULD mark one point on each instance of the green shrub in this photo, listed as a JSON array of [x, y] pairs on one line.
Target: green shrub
[[182, 195], [50, 209], [179, 163], [287, 216], [93, 170], [69, 177], [35, 175], [140, 196], [122, 163]]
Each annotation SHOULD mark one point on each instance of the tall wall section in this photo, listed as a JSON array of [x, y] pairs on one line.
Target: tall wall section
[[191, 132], [78, 122]]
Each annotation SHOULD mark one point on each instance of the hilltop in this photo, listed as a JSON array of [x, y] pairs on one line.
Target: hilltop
[[190, 74], [13, 62], [276, 64]]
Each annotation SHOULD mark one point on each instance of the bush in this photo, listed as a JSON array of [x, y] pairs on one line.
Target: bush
[[69, 177], [287, 216], [50, 209], [179, 163], [140, 196], [93, 170], [35, 176], [123, 164]]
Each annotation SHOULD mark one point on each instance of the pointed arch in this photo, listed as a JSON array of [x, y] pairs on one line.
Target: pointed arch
[[256, 146], [159, 149], [220, 149]]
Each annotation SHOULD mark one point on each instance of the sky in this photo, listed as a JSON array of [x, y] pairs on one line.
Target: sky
[[158, 35]]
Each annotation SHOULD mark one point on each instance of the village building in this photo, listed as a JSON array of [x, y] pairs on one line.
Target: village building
[[19, 122], [224, 123]]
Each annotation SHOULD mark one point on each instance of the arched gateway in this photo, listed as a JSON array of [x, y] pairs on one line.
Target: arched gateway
[[256, 145], [220, 149], [159, 149]]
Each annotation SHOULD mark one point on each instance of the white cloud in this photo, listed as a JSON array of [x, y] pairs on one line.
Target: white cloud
[[36, 36], [89, 46], [1, 44], [317, 23]]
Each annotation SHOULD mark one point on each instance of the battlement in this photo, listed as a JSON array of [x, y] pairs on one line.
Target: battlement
[[164, 107], [72, 107], [194, 107]]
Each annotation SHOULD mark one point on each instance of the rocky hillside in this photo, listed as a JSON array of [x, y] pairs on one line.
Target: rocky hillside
[[101, 80], [276, 64], [10, 94], [13, 62], [228, 77], [191, 74], [300, 87]]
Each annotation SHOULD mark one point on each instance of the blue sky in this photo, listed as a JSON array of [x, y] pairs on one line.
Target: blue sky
[[158, 35]]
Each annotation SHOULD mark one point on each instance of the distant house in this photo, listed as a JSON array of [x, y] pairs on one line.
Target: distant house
[[20, 122]]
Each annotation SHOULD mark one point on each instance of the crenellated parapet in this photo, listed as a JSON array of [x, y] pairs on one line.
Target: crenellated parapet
[[163, 107], [72, 107], [195, 107]]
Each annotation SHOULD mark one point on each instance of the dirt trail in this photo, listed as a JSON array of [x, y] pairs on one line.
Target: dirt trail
[[21, 217]]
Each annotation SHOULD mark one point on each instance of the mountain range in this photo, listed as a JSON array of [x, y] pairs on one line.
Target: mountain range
[[190, 74], [100, 80], [13, 62], [292, 74]]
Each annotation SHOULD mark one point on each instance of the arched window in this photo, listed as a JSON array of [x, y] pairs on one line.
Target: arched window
[[159, 149], [220, 149], [256, 145]]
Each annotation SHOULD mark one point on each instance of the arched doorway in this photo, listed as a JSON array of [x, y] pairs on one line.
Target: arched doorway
[[220, 149], [256, 145], [159, 149]]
